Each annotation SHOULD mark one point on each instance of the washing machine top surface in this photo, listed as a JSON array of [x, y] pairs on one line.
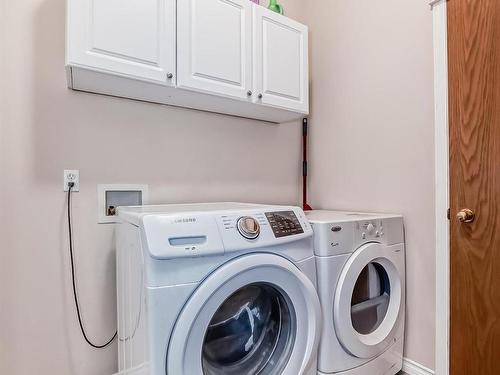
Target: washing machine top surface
[[133, 214]]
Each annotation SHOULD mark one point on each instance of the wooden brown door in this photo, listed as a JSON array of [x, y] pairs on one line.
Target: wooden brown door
[[474, 99]]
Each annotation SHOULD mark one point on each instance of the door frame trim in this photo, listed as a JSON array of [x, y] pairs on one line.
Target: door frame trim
[[442, 198]]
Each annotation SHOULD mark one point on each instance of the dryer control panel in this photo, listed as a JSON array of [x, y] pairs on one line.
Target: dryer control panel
[[370, 229], [337, 232]]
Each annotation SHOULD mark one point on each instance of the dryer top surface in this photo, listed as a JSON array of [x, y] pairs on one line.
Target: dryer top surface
[[328, 216]]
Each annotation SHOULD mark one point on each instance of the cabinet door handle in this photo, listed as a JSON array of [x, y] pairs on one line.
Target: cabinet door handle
[[249, 93], [170, 75], [260, 96]]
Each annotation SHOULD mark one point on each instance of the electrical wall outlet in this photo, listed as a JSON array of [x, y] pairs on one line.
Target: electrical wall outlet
[[72, 175]]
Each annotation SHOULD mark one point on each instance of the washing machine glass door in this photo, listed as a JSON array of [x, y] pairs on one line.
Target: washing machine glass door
[[258, 314], [368, 300], [252, 331]]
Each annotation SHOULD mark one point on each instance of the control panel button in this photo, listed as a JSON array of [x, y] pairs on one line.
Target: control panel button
[[284, 223], [370, 228], [248, 227]]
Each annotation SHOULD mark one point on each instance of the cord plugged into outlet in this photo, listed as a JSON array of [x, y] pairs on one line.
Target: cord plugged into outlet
[[72, 176], [71, 185]]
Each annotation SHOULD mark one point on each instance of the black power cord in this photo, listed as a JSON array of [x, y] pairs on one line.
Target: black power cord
[[70, 230]]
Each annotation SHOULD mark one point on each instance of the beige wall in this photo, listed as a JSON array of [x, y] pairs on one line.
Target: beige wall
[[372, 130], [183, 155], [372, 149]]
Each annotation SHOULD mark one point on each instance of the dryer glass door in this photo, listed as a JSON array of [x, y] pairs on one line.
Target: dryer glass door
[[368, 304]]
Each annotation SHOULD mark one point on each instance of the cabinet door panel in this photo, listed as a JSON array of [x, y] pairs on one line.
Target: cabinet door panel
[[281, 61], [214, 46], [134, 38]]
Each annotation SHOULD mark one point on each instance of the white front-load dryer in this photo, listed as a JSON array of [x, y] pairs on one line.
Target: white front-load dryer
[[215, 289], [360, 261]]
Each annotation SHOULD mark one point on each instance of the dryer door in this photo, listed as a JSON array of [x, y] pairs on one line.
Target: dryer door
[[368, 306], [257, 314]]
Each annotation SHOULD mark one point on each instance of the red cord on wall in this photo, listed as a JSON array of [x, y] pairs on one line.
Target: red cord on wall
[[305, 206]]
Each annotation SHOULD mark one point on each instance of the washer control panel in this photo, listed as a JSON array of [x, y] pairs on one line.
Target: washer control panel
[[284, 223], [261, 228], [199, 230]]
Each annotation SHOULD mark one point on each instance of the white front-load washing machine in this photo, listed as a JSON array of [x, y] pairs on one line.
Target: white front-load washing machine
[[360, 261], [216, 289]]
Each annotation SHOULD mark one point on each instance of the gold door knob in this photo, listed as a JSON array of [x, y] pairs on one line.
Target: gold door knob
[[466, 216]]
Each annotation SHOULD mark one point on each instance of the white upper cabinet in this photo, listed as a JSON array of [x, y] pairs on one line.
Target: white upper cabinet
[[133, 38], [214, 46], [224, 56], [281, 72]]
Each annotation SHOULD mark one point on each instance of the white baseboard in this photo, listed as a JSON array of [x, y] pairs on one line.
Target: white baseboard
[[413, 368]]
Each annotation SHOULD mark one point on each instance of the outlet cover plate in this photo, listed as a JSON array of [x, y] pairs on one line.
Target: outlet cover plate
[[71, 175], [103, 191]]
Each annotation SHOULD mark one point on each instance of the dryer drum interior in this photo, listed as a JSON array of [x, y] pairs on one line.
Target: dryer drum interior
[[252, 332], [370, 299]]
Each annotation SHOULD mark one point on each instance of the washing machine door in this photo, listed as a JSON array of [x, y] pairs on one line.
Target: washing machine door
[[368, 308], [257, 314]]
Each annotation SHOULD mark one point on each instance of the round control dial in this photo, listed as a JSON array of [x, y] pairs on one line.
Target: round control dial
[[370, 228], [248, 227]]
